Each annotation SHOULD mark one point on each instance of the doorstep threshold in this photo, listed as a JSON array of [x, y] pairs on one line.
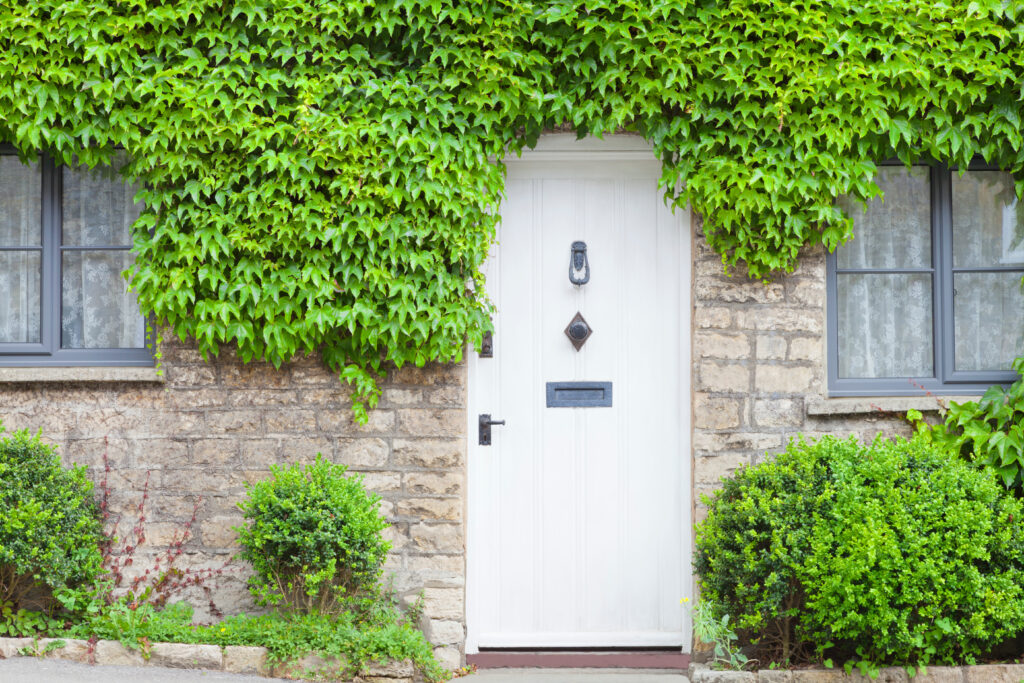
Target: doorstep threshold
[[579, 659]]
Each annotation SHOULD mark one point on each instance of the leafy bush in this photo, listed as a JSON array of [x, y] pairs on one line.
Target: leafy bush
[[989, 432], [313, 535], [896, 552], [50, 531]]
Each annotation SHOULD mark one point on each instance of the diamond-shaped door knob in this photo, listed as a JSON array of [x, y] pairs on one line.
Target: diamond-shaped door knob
[[578, 331]]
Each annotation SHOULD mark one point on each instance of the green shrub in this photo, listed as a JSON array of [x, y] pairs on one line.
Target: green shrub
[[989, 432], [313, 536], [50, 531], [892, 553]]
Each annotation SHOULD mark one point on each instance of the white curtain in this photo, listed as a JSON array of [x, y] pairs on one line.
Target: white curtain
[[97, 311], [988, 308], [885, 319], [20, 273]]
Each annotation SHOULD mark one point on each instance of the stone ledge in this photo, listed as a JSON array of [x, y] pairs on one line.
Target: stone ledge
[[231, 659], [985, 673], [857, 405], [80, 374]]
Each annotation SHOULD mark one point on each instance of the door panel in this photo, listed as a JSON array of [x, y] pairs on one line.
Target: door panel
[[579, 518]]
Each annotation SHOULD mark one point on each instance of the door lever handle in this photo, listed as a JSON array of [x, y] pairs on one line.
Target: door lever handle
[[484, 422]]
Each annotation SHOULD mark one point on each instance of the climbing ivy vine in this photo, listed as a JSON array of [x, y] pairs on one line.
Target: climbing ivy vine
[[320, 175]]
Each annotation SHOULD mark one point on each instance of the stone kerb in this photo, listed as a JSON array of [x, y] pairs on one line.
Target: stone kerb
[[231, 659], [986, 673]]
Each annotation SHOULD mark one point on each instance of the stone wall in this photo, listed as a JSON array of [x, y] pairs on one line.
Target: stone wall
[[759, 368], [209, 427]]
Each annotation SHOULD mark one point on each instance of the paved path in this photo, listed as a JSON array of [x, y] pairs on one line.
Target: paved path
[[36, 670], [33, 670], [574, 675]]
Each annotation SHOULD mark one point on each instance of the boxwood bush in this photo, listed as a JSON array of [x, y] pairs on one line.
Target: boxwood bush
[[313, 536], [50, 529], [896, 552]]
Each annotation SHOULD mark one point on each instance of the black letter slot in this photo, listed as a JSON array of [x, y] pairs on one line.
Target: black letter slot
[[579, 394]]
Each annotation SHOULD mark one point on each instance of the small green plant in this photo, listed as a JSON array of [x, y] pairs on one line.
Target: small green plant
[[314, 538], [893, 553], [718, 632], [16, 623], [989, 432], [50, 530]]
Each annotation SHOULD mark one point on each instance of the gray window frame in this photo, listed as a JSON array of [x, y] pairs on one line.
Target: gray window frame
[[946, 379], [48, 352]]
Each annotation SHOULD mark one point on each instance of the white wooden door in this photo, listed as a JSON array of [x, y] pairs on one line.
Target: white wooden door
[[579, 518]]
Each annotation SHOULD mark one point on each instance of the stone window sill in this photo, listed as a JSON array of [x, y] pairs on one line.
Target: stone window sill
[[79, 374], [858, 405]]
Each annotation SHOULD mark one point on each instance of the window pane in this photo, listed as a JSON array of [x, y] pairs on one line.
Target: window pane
[[97, 311], [894, 232], [885, 325], [987, 228], [20, 200], [988, 319], [98, 207], [20, 276]]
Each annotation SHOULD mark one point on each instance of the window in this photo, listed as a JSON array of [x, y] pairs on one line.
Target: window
[[927, 295], [65, 235]]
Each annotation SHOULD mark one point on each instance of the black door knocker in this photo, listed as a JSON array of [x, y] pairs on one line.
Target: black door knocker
[[578, 261]]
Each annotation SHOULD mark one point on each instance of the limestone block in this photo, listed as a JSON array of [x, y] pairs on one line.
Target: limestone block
[[771, 347], [783, 379], [448, 657], [716, 413], [779, 319], [239, 659], [398, 396], [809, 349], [729, 345], [436, 537], [717, 442], [809, 291], [994, 673], [723, 377], [259, 452], [342, 421], [73, 650], [737, 289], [778, 412], [447, 395], [394, 669], [444, 632], [11, 647], [185, 656], [443, 483], [444, 603], [113, 653], [432, 422], [449, 509], [431, 453], [288, 421], [710, 470], [365, 452], [382, 482], [774, 676], [940, 674], [714, 676], [711, 317]]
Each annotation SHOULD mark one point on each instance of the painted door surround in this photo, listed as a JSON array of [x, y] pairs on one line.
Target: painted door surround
[[579, 518]]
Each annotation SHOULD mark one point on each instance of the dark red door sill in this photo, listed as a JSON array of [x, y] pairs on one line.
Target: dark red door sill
[[565, 659]]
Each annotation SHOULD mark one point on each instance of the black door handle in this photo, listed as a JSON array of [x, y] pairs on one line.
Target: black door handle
[[485, 423]]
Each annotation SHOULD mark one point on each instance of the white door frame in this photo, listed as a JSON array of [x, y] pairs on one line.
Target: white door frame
[[613, 148]]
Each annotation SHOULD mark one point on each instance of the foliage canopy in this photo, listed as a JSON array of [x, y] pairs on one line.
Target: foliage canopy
[[317, 172]]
